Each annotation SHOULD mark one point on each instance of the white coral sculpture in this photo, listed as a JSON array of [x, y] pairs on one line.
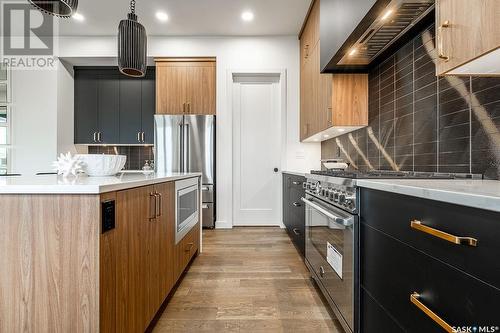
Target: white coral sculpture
[[67, 165]]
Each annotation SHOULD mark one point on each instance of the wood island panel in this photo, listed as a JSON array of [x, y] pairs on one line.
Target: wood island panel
[[49, 257]]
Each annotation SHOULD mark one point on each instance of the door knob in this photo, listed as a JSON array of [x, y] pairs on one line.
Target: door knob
[[276, 169]]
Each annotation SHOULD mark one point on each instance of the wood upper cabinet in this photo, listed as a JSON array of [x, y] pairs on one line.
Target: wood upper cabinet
[[327, 100], [186, 86], [466, 34], [349, 100], [310, 33]]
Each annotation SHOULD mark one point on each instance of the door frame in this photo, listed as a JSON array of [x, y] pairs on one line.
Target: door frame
[[282, 74]]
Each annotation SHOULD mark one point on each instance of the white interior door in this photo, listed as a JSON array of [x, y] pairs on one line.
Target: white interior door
[[256, 150]]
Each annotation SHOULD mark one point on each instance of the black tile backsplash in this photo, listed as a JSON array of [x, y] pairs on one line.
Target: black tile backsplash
[[136, 155], [419, 122]]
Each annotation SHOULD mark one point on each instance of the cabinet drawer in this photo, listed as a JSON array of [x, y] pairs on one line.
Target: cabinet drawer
[[392, 214], [391, 271], [375, 319]]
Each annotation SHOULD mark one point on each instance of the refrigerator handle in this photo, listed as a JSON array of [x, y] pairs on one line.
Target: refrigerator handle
[[186, 149], [181, 144]]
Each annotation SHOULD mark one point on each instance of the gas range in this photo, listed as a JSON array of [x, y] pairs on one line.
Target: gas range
[[339, 187]]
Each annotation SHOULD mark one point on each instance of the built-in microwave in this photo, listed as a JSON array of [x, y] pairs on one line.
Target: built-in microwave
[[187, 206]]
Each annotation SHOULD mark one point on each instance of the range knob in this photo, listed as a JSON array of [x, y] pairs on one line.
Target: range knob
[[342, 197]]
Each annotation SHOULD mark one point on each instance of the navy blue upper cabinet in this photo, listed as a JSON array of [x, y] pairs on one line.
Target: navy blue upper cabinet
[[86, 120], [130, 111], [341, 24], [111, 108], [108, 92]]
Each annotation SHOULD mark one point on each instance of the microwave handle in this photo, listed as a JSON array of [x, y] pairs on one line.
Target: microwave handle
[[339, 220]]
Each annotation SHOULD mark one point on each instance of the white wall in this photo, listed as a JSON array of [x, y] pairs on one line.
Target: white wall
[[34, 121], [42, 118], [43, 100]]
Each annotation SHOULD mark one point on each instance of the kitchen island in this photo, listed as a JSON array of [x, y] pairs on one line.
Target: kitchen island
[[90, 254]]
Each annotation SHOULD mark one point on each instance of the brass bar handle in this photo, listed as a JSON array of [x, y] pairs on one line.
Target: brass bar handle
[[184, 108], [441, 54], [152, 206], [189, 108], [158, 205], [417, 225], [415, 299]]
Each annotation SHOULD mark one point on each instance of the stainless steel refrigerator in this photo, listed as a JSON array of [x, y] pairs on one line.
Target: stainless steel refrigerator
[[187, 144]]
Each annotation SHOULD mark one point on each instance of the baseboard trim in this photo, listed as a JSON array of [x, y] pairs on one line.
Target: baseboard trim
[[223, 225]]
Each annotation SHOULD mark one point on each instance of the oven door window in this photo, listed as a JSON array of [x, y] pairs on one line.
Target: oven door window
[[187, 206]]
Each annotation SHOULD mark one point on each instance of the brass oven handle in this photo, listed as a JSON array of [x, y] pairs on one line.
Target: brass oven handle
[[152, 202], [441, 55], [417, 225], [414, 298]]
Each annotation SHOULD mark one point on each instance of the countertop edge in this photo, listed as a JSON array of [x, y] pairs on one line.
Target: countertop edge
[[295, 173], [473, 200], [89, 189]]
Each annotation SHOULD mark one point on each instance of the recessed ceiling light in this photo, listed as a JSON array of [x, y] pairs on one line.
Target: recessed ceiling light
[[162, 16], [247, 16], [78, 17], [353, 52]]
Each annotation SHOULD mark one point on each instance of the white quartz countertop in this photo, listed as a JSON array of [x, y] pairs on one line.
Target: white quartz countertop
[[52, 184], [295, 173], [483, 194]]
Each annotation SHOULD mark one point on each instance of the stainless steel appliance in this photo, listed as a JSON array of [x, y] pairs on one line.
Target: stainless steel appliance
[[187, 206], [187, 144], [332, 228], [332, 233]]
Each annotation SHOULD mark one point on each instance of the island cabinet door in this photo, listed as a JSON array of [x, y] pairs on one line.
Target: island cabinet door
[[164, 228], [135, 212]]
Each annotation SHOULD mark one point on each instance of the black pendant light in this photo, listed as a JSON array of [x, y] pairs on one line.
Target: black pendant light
[[60, 8], [132, 45]]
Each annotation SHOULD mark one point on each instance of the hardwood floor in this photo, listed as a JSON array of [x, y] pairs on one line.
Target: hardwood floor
[[247, 280]]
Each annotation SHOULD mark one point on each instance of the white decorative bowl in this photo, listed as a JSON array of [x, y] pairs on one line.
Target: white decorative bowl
[[100, 165]]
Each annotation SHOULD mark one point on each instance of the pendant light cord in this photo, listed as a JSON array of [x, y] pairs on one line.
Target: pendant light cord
[[132, 6]]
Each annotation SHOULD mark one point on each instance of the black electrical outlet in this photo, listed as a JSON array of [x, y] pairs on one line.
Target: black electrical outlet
[[108, 216]]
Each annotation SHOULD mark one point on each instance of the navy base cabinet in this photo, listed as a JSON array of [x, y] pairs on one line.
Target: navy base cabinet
[[294, 214]]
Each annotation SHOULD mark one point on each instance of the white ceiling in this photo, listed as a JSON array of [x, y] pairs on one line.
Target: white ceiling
[[190, 17]]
